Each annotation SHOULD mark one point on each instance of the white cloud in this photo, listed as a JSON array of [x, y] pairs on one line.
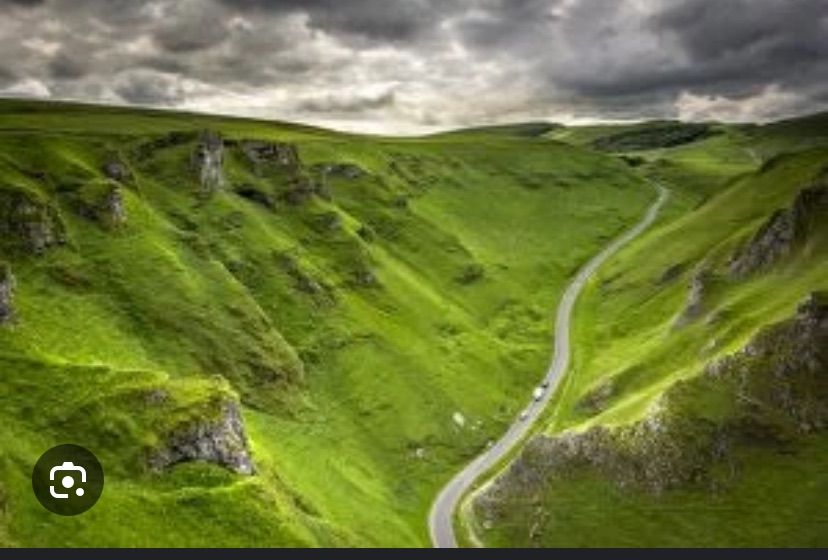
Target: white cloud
[[28, 87], [772, 102]]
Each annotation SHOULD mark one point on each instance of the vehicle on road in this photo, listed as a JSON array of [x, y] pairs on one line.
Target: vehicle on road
[[537, 393], [524, 415]]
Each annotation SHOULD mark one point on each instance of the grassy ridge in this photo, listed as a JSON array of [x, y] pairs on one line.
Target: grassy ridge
[[351, 326], [631, 347]]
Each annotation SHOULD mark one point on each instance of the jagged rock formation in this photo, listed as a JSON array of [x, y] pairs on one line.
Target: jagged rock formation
[[775, 390], [7, 286], [28, 224], [208, 160], [221, 440], [261, 153], [782, 232], [695, 304], [280, 160]]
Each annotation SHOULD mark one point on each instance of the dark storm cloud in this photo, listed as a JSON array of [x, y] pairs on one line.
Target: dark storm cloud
[[386, 20], [7, 77], [501, 24], [402, 64], [749, 43], [189, 27], [149, 88], [622, 59], [24, 3], [66, 66], [710, 30]]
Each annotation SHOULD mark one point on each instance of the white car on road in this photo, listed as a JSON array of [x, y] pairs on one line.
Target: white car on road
[[537, 393]]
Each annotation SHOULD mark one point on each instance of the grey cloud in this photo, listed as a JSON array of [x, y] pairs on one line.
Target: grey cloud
[[149, 88], [192, 27], [629, 60], [23, 3], [326, 59], [347, 104], [709, 30], [67, 67], [502, 24], [384, 20]]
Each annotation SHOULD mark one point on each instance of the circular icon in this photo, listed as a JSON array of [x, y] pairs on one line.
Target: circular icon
[[68, 479]]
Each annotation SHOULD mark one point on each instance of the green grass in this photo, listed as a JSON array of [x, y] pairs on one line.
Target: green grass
[[342, 381], [762, 509], [628, 348]]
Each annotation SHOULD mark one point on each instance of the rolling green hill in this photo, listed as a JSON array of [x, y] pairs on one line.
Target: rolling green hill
[[695, 412], [273, 334]]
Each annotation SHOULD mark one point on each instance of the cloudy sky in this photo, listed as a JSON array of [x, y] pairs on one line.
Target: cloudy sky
[[413, 65]]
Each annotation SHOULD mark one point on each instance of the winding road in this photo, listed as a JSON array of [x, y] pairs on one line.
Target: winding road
[[442, 510]]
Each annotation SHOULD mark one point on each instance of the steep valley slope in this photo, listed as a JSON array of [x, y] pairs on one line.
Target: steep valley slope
[[696, 410], [272, 334]]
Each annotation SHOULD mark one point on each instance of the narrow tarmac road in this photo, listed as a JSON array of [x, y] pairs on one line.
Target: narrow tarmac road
[[442, 510]]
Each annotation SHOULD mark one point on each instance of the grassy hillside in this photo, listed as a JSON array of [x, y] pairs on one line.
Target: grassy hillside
[[648, 330], [352, 294]]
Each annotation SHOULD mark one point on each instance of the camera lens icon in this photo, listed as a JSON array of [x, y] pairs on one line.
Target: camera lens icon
[[67, 479]]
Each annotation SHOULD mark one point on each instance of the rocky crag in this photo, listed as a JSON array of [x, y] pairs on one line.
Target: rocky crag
[[7, 286], [27, 223], [782, 233], [218, 438], [208, 161], [775, 392]]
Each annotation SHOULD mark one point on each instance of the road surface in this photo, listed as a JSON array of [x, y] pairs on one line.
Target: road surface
[[442, 510]]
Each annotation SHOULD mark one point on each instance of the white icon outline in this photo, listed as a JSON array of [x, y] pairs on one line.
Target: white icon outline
[[66, 466]]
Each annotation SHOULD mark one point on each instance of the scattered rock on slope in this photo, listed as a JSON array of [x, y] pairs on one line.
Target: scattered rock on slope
[[221, 440], [695, 305], [114, 210], [208, 160], [7, 286], [103, 203], [261, 153], [29, 224], [117, 170], [782, 232], [771, 392]]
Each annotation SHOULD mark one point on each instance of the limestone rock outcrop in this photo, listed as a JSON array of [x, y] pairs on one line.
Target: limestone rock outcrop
[[776, 390], [695, 303], [208, 160], [261, 153], [7, 286], [28, 223], [779, 236], [221, 440]]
